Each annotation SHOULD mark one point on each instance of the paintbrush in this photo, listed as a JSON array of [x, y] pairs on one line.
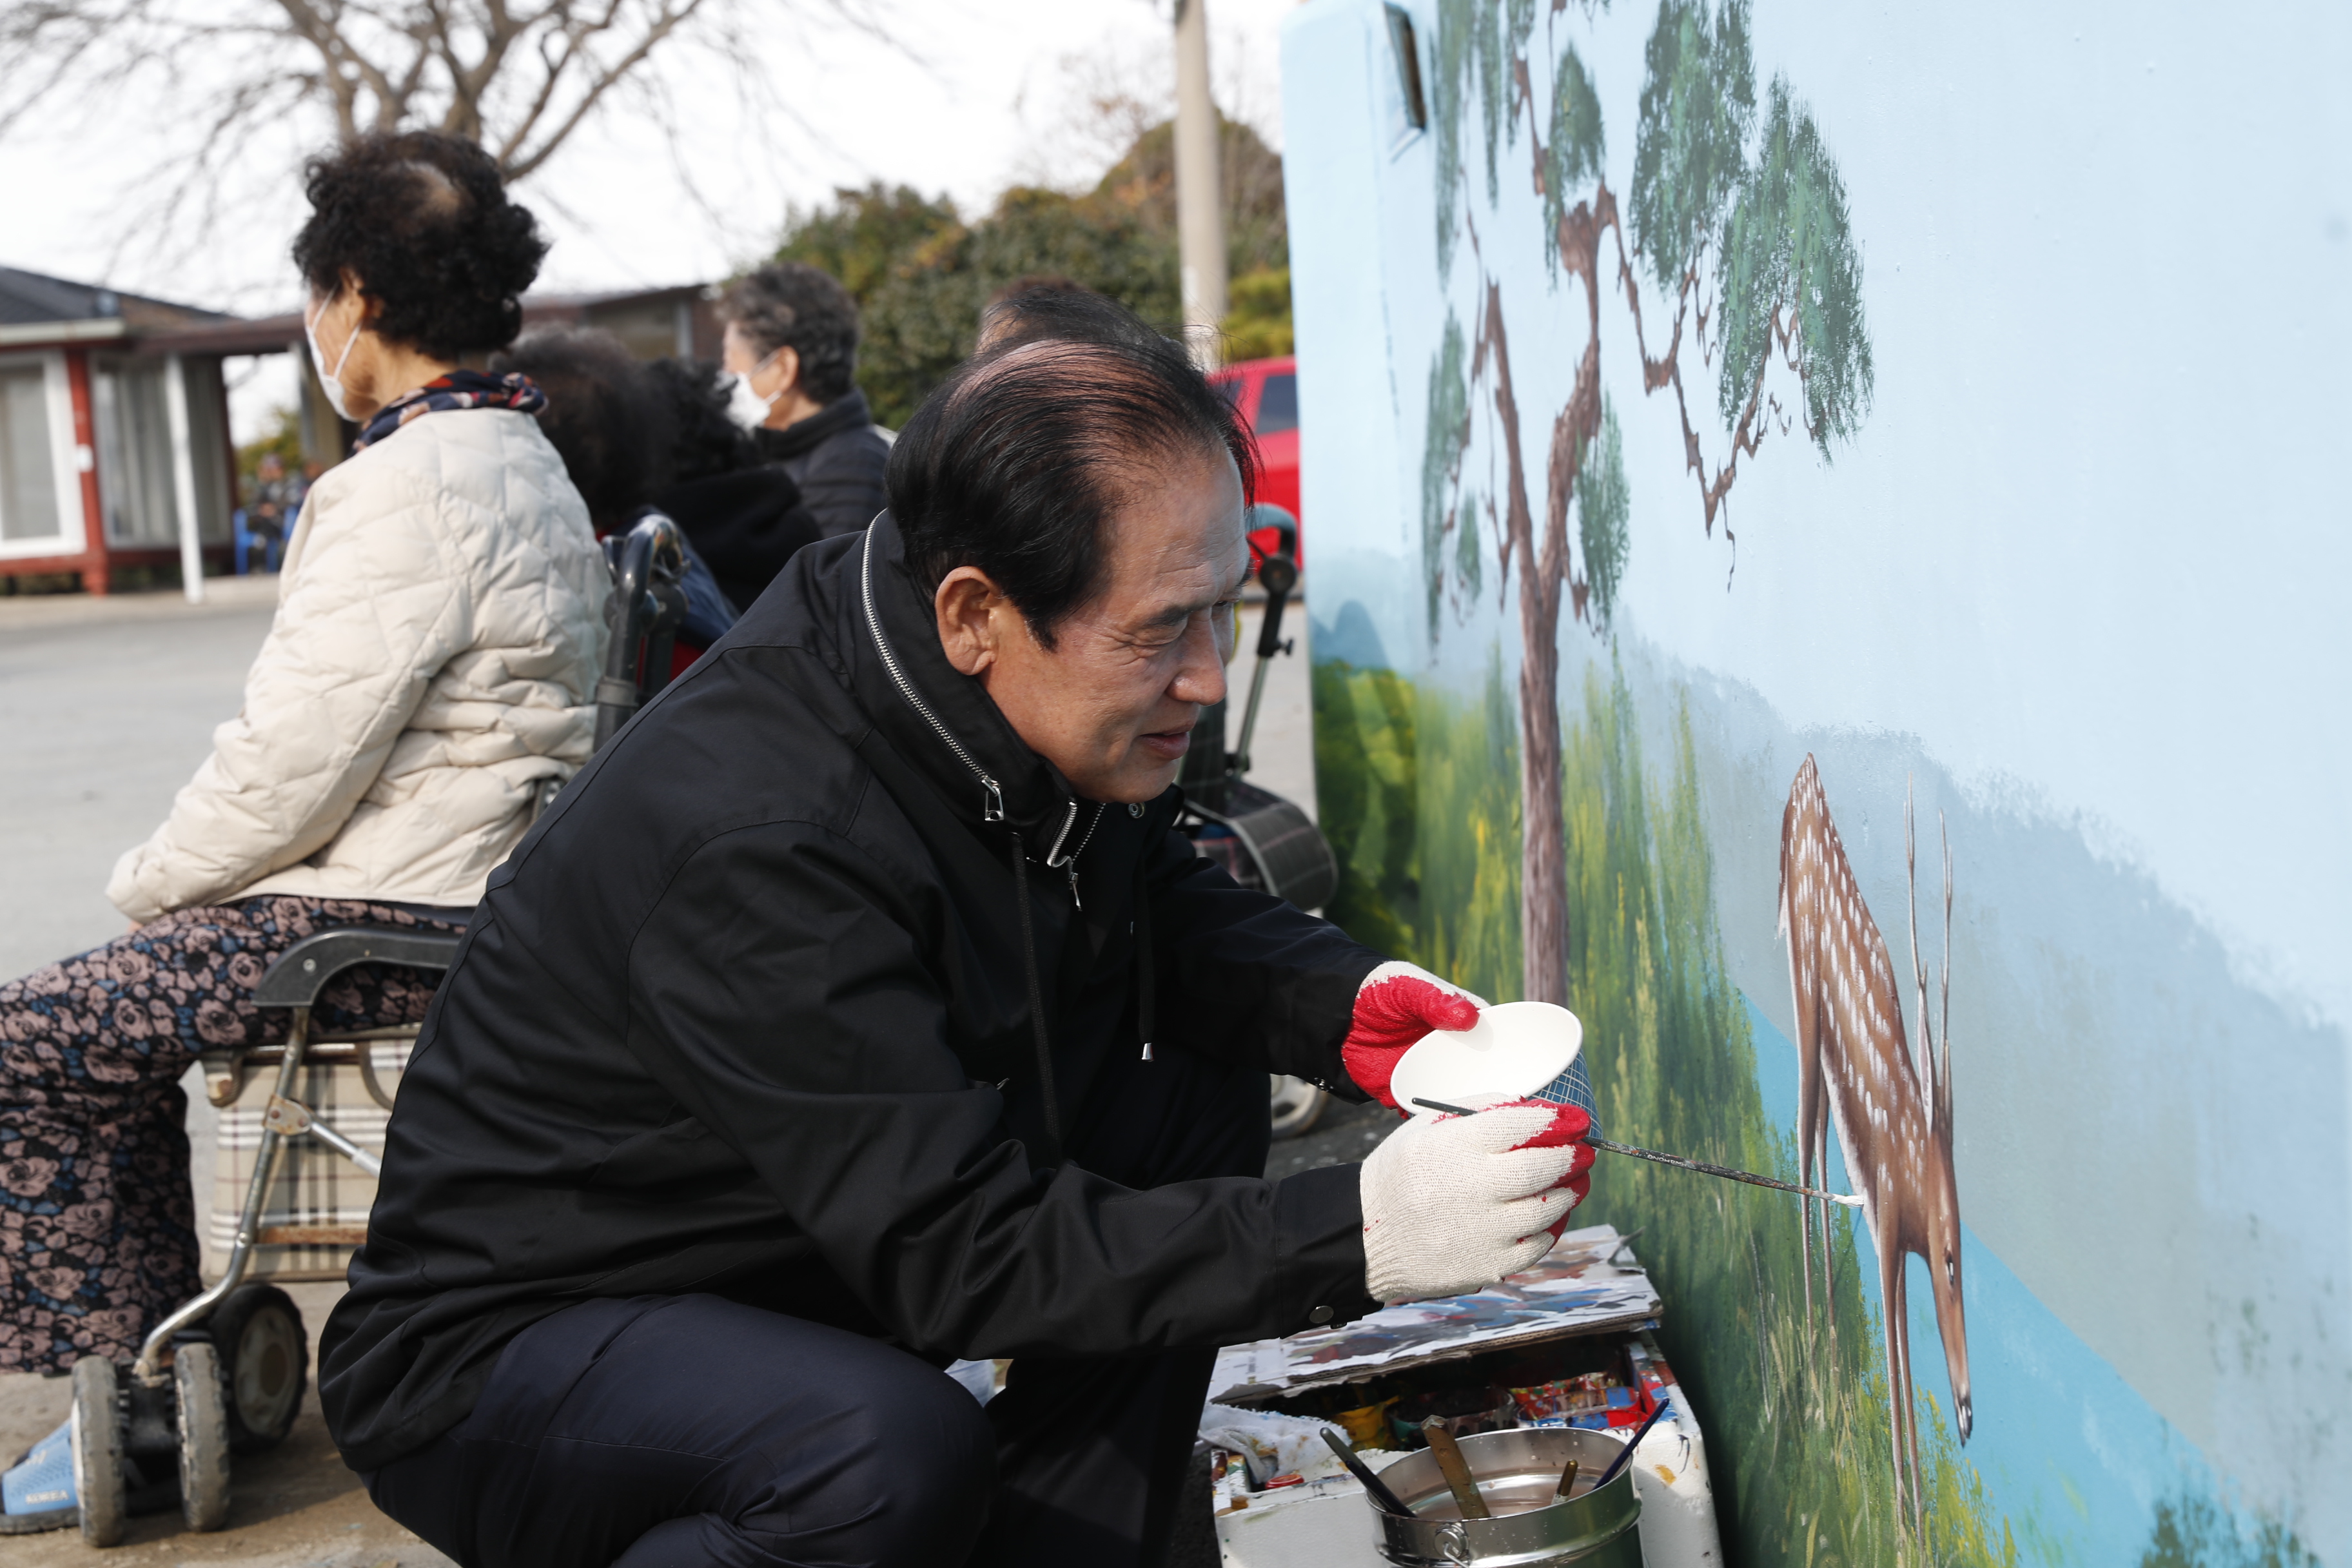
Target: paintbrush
[[1454, 1468], [1366, 1476], [1725, 1172], [1626, 1457]]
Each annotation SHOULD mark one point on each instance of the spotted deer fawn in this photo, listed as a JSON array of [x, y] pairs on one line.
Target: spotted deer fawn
[[1856, 1067]]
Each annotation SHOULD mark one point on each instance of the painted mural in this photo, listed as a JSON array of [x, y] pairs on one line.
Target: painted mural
[[1718, 628]]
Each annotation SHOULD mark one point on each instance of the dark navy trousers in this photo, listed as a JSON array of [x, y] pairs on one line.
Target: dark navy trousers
[[662, 1432]]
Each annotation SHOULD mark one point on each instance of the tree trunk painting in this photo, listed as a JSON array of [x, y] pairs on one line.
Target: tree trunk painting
[[1755, 255]]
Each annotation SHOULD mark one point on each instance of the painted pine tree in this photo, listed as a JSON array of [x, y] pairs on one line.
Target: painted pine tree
[[1734, 252]]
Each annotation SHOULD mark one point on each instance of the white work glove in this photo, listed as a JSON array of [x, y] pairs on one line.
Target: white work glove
[[1455, 1203]]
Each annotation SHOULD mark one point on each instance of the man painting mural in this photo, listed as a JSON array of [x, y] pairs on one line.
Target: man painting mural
[[858, 1010]]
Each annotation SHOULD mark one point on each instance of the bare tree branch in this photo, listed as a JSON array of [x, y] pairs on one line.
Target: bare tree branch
[[522, 76]]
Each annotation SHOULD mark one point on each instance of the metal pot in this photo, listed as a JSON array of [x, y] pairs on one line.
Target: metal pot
[[1518, 1473]]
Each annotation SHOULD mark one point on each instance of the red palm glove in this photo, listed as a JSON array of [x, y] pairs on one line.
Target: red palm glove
[[1571, 1126], [1396, 1005]]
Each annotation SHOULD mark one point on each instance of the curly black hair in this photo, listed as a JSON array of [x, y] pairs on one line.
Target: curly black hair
[[790, 304], [605, 416], [703, 441], [423, 222]]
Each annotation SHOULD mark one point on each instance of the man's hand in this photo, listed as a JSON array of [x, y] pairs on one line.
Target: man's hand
[[1396, 1005], [1455, 1203]]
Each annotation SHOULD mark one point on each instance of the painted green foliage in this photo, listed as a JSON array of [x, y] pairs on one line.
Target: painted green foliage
[[1418, 795], [1790, 280], [1367, 801], [1746, 236], [1604, 507], [2191, 1532], [1449, 412], [1697, 110]]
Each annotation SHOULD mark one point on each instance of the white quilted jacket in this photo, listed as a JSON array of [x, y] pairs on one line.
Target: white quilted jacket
[[439, 629]]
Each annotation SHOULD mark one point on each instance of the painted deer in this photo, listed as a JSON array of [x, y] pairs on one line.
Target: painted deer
[[1855, 1064]]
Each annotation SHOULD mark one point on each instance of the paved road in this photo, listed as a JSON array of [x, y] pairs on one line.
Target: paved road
[[108, 707]]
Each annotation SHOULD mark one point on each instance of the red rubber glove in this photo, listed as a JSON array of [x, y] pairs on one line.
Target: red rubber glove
[[1571, 1126], [1396, 1005]]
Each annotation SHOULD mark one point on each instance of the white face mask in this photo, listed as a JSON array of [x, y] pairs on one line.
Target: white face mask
[[330, 380], [745, 407]]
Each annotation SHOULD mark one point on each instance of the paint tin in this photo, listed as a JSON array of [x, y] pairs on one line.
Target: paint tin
[[1516, 1472]]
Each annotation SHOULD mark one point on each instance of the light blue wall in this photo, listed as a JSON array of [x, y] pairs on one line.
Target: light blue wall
[[2078, 573]]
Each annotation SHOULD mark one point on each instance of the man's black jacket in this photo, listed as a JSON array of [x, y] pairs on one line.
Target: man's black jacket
[[747, 1013], [837, 457]]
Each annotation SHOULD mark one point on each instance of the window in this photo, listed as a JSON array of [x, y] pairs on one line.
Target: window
[[1277, 405], [28, 481], [135, 453]]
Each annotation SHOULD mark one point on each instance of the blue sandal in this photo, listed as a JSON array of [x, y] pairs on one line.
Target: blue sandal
[[37, 1491]]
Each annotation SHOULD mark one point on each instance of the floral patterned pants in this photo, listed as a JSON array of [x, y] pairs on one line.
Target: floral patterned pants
[[98, 1237]]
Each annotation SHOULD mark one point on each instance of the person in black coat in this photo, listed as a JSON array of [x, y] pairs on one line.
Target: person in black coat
[[604, 418], [790, 347], [743, 513], [858, 1009]]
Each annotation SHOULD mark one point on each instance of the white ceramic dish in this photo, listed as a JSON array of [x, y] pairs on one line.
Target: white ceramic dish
[[1516, 1048]]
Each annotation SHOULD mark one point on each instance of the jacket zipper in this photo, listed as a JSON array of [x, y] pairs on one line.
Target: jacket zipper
[[1055, 860], [993, 810]]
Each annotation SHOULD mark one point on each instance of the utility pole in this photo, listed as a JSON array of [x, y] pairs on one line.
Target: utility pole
[[1200, 194]]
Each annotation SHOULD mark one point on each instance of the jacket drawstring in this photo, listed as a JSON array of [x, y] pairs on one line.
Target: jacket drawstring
[[1144, 976], [1053, 1149]]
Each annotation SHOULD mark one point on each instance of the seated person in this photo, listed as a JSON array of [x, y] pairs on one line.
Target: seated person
[[742, 513], [605, 417], [858, 1011], [431, 667]]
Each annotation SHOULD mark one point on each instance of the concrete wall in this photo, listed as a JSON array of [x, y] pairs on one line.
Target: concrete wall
[[1945, 397]]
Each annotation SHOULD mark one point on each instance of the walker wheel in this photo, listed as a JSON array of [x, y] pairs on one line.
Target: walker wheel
[[204, 1437], [1295, 1105], [264, 1360], [97, 1450]]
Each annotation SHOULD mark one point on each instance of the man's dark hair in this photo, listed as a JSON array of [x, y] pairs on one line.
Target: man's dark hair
[[603, 414], [1018, 459], [423, 221], [789, 304], [1034, 307], [703, 441]]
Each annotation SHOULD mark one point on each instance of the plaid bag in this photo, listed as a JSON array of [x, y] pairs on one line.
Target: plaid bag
[[317, 1210]]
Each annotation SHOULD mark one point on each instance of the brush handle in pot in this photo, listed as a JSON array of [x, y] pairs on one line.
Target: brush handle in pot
[[1366, 1477], [1454, 1468]]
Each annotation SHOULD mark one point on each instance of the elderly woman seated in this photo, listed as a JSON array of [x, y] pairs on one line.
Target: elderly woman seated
[[431, 668]]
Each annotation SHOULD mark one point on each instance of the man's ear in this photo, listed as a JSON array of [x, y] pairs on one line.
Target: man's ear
[[966, 604]]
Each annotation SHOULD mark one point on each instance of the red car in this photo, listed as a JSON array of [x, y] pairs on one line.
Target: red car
[[1267, 393]]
